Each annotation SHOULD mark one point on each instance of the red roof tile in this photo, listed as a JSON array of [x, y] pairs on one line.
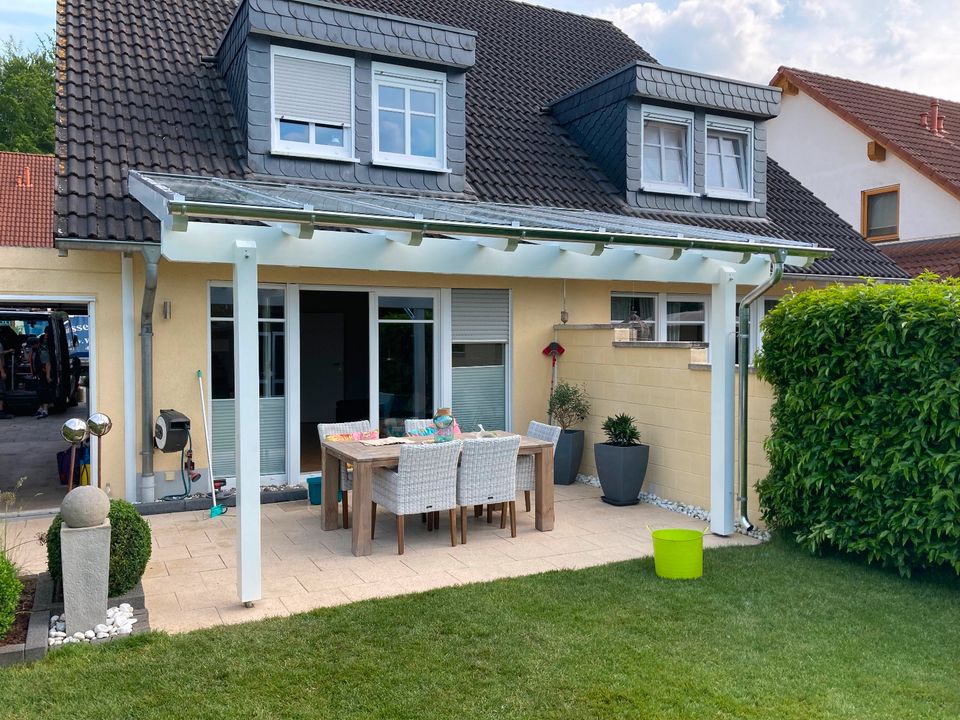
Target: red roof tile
[[26, 200], [938, 255], [892, 117]]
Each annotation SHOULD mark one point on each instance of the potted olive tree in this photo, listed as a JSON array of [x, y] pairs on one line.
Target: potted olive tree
[[568, 407], [621, 461]]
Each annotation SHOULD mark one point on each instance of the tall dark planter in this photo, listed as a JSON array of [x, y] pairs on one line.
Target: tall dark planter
[[622, 469], [567, 456]]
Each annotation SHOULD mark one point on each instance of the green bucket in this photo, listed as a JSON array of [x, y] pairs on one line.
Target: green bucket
[[678, 553]]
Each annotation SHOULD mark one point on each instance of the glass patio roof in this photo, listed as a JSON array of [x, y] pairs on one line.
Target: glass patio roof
[[183, 198]]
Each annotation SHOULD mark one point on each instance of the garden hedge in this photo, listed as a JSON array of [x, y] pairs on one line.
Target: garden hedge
[[130, 547], [865, 443], [10, 589]]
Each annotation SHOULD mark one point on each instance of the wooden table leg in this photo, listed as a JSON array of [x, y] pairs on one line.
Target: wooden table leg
[[331, 484], [543, 465], [362, 497]]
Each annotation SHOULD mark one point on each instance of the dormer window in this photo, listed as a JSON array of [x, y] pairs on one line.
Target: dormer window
[[408, 117], [667, 152], [729, 158], [313, 104]]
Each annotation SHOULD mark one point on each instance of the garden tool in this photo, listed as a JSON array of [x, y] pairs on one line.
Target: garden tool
[[215, 509]]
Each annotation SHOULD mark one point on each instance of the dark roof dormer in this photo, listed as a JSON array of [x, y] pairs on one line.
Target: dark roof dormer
[[336, 93], [676, 140]]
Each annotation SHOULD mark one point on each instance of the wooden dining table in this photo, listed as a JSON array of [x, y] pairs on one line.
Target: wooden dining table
[[366, 458]]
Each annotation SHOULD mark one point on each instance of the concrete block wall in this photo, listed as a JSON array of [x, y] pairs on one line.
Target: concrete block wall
[[671, 403]]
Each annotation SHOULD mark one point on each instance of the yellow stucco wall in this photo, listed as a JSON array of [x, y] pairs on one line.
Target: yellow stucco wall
[[82, 274], [654, 384]]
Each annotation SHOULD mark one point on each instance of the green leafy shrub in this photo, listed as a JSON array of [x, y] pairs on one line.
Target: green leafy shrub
[[865, 443], [129, 547], [621, 430], [10, 589], [568, 405]]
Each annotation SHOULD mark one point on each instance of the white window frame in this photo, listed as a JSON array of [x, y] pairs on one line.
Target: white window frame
[[684, 118], [660, 311], [730, 126], [311, 148], [410, 79]]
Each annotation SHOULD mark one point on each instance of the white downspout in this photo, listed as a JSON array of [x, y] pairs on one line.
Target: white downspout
[[776, 273]]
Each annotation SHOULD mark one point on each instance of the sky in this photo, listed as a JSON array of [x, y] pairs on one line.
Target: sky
[[906, 44]]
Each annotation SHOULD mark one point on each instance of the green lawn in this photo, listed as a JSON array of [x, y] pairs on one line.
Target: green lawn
[[768, 633]]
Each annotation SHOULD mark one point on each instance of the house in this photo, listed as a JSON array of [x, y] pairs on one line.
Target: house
[[887, 161], [375, 208]]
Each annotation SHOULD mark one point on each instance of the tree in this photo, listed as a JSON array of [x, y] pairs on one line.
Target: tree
[[27, 97]]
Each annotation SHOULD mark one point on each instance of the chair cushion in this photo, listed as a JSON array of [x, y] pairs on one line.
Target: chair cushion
[[346, 469]]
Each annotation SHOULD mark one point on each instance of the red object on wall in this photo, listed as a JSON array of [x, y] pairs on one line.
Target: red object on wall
[[554, 350]]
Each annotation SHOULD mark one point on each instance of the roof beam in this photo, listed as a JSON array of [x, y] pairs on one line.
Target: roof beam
[[412, 238]]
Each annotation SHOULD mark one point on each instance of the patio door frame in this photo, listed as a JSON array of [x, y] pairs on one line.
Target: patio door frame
[[273, 478], [442, 353]]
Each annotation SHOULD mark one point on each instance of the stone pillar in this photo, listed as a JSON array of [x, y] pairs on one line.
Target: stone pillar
[[85, 557]]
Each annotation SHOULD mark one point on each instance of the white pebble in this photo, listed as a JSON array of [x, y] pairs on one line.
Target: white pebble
[[125, 630], [102, 635], [53, 620], [78, 636], [101, 628], [61, 626], [89, 634]]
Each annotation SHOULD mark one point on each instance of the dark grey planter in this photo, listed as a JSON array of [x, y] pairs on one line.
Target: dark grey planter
[[621, 470], [567, 456]]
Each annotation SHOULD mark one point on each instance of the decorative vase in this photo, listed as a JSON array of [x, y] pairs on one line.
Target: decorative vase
[[444, 423]]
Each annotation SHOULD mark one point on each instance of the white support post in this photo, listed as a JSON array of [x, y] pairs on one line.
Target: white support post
[[722, 414], [291, 388], [246, 373], [445, 338]]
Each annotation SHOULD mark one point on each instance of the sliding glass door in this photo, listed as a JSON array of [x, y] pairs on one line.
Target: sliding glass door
[[406, 358], [272, 330]]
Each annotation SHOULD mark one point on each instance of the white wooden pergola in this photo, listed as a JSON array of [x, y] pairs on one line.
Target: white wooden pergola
[[248, 224]]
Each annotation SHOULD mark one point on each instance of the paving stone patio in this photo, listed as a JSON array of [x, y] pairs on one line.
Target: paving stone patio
[[190, 582]]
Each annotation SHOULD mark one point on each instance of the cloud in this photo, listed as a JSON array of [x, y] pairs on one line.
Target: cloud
[[905, 44], [25, 22]]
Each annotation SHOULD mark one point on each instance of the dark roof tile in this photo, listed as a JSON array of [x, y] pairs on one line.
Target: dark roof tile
[[148, 102]]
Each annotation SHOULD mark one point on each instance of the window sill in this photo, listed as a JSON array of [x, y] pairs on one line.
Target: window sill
[[313, 155], [720, 195], [411, 166], [667, 190]]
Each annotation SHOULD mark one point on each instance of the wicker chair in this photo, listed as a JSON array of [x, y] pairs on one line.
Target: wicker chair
[[424, 482], [526, 475], [414, 425], [346, 476], [488, 476]]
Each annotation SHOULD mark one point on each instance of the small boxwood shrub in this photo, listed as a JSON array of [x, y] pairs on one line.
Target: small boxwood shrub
[[129, 547], [10, 589], [865, 443]]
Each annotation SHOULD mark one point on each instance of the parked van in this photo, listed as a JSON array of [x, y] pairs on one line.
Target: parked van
[[21, 332]]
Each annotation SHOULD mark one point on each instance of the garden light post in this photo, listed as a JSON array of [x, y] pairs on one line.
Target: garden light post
[[99, 425], [74, 431]]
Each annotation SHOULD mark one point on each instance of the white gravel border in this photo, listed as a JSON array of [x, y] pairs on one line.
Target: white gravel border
[[119, 622], [692, 511]]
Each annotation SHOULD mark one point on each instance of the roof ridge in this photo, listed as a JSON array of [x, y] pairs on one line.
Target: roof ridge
[[888, 88]]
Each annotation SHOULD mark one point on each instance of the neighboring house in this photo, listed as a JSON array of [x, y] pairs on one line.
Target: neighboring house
[[26, 200], [393, 204], [887, 161]]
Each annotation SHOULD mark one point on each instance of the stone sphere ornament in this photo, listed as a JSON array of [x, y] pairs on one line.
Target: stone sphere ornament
[[99, 424], [85, 506], [74, 431]]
